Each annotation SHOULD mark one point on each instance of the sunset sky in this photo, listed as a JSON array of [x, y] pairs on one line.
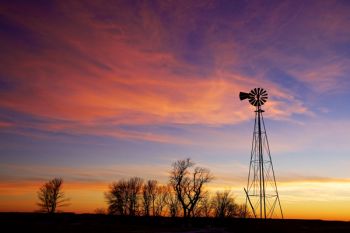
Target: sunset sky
[[96, 91]]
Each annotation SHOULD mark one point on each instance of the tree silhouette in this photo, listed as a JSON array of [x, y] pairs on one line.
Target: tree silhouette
[[243, 212], [224, 205], [51, 196], [204, 207], [123, 197], [188, 185], [161, 199], [149, 196], [173, 204], [117, 198], [135, 187]]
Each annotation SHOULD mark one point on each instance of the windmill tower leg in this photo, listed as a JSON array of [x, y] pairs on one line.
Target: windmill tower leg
[[261, 167]]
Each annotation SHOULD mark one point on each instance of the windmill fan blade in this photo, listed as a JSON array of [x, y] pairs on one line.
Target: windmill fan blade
[[254, 91], [252, 102], [243, 95]]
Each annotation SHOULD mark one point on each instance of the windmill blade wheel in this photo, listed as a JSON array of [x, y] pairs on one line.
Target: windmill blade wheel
[[258, 96]]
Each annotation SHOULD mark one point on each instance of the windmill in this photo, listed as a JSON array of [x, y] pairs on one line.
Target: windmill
[[261, 192]]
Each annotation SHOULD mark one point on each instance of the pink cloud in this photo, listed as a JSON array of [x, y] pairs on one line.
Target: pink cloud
[[94, 75]]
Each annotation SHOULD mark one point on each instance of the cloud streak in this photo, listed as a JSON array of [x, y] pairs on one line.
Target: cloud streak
[[102, 71]]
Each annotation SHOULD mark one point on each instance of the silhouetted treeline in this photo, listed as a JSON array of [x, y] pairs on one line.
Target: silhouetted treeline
[[134, 197], [184, 196]]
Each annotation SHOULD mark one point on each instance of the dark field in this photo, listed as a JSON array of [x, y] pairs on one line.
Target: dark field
[[33, 222]]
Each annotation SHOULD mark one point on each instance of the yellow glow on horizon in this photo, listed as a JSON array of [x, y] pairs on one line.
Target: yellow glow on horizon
[[300, 200]]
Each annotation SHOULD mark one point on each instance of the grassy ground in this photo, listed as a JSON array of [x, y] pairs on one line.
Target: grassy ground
[[33, 222]]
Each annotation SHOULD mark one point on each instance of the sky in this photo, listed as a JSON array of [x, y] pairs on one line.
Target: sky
[[97, 91]]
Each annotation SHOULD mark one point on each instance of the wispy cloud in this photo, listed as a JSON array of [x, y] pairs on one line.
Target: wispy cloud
[[105, 69]]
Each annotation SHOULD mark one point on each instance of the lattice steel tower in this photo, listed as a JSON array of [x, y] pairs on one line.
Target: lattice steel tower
[[261, 192]]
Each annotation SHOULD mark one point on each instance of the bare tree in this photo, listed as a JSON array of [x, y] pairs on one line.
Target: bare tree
[[161, 200], [188, 185], [118, 197], [243, 212], [149, 196], [204, 207], [135, 186], [224, 205], [173, 203], [51, 196], [123, 197]]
